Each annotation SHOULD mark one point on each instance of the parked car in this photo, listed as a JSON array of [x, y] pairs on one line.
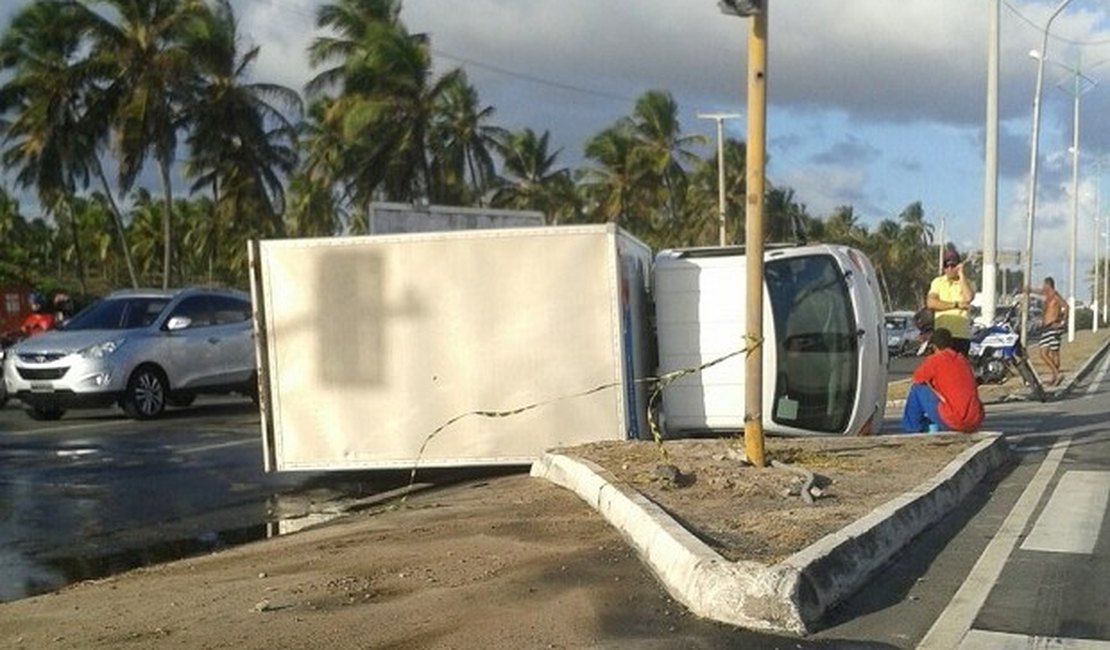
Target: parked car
[[902, 335], [140, 349]]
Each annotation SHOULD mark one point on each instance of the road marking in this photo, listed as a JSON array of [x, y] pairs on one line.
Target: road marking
[[1093, 388], [1071, 521], [985, 640], [956, 619], [218, 445]]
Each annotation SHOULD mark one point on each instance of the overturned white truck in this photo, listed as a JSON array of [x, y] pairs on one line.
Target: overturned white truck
[[489, 347]]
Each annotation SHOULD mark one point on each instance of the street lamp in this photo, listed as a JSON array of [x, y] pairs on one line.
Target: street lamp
[[753, 229], [990, 168], [720, 119], [1034, 143]]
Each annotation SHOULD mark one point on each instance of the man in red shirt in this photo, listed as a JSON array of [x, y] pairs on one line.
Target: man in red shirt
[[944, 391]]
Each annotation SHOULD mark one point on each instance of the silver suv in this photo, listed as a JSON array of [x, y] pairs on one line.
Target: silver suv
[[141, 349]]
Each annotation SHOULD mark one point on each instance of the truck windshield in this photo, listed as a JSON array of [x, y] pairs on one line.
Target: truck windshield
[[817, 346], [118, 314]]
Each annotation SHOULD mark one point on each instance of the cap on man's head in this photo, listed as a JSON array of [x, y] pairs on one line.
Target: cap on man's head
[[951, 258]]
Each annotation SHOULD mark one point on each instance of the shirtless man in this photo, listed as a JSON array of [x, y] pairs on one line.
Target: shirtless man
[[1053, 319]]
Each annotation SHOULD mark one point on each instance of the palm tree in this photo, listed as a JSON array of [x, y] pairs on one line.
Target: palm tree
[[462, 142], [153, 77], [347, 22], [386, 102], [241, 145], [47, 142], [529, 179], [612, 182], [661, 148]]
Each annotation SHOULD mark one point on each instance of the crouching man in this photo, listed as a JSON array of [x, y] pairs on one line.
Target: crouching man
[[944, 392]]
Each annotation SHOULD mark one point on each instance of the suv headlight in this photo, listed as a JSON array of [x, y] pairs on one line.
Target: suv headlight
[[100, 350]]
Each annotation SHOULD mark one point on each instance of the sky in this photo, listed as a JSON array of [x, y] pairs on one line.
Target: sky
[[876, 106]]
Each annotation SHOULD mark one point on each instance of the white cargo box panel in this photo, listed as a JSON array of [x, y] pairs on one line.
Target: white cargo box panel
[[368, 344], [398, 218], [824, 355]]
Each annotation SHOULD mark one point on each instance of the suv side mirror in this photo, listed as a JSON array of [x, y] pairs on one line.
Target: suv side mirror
[[178, 323]]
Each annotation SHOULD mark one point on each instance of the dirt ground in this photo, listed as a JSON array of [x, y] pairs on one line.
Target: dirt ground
[[745, 513]]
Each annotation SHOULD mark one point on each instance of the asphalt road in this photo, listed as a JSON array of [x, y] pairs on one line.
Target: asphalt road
[[96, 493], [900, 368]]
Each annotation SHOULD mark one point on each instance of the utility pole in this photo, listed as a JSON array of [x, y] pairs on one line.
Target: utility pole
[[990, 172], [719, 118], [1080, 84], [753, 236], [940, 248], [1033, 147], [1095, 304]]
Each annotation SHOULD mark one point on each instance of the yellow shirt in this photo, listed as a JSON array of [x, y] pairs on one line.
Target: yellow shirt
[[956, 321]]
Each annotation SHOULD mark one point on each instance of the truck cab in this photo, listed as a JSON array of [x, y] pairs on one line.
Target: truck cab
[[824, 348]]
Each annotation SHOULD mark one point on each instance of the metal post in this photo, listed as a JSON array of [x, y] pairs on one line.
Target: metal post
[[940, 249], [1095, 304], [1034, 144], [990, 172], [1073, 224], [753, 239], [721, 206]]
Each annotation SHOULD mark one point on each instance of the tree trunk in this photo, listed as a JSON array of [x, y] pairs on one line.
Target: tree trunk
[[76, 234], [167, 223], [117, 217]]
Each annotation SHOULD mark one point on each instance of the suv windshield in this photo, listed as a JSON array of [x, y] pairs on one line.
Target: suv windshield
[[817, 343], [118, 314]]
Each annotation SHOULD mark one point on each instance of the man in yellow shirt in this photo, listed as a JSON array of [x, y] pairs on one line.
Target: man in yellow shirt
[[950, 297]]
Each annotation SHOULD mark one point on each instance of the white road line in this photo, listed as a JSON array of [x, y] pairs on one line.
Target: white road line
[[64, 429], [1093, 388], [1072, 519], [956, 619], [217, 445], [984, 640]]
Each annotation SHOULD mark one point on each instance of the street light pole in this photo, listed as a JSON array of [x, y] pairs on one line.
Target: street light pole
[[1034, 144], [990, 172], [1073, 225], [1080, 84], [721, 208]]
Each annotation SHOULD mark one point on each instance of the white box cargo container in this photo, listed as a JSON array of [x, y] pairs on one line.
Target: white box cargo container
[[824, 351], [368, 344]]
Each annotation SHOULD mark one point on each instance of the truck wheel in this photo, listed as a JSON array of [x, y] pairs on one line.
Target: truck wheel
[[45, 413], [145, 397]]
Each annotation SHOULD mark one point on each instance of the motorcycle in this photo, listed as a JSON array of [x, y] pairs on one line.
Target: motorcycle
[[996, 353]]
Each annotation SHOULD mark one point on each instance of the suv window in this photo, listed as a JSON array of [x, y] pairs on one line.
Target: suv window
[[816, 343], [226, 310], [196, 309], [118, 313]]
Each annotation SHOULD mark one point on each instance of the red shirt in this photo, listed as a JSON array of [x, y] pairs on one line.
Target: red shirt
[[950, 375]]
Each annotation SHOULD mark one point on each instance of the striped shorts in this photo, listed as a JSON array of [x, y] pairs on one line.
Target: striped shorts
[[1051, 337]]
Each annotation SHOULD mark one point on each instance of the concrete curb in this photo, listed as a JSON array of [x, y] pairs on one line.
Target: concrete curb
[[1083, 371], [790, 596]]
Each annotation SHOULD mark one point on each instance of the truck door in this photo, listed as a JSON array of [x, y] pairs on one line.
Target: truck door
[[817, 343]]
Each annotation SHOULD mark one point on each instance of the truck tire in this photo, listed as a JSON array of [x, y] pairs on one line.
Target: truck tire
[[145, 396]]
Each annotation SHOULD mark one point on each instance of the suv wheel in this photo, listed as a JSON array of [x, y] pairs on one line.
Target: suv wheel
[[45, 413], [145, 397]]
